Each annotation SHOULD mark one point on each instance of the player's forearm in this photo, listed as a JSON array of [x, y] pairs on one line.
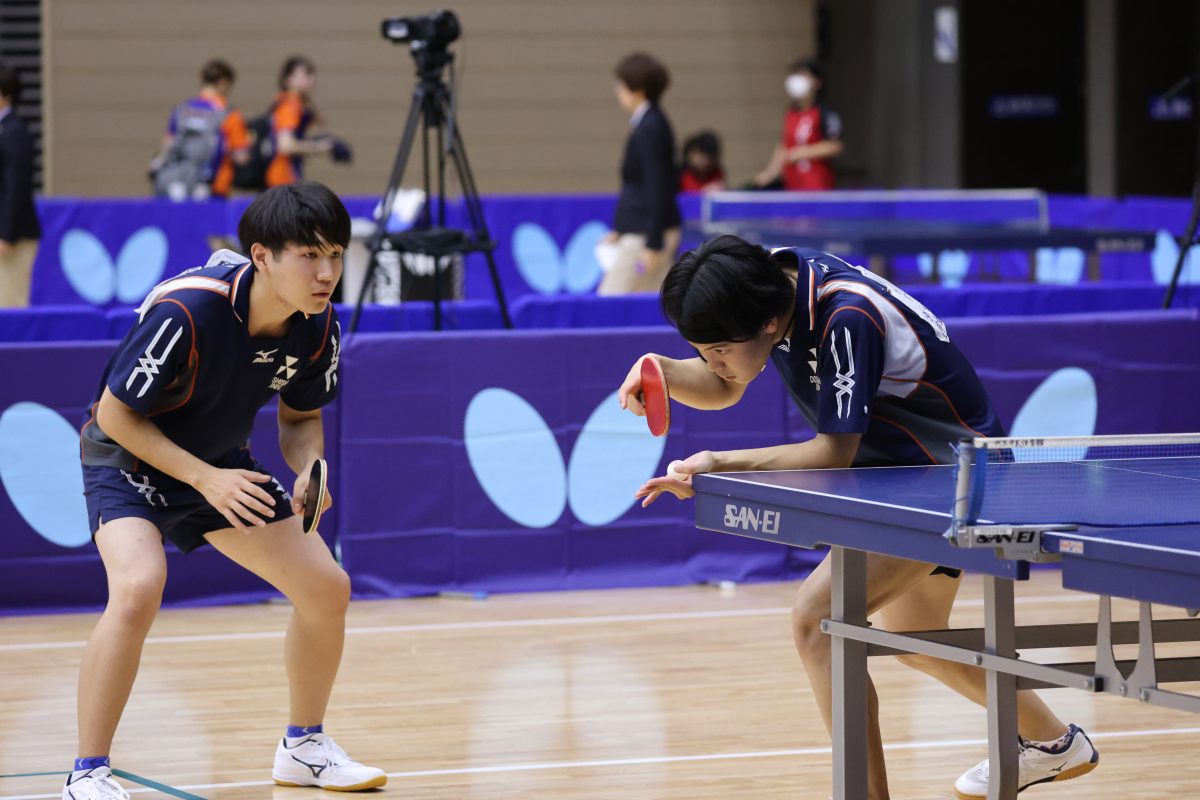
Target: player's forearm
[[140, 436], [693, 384], [826, 149], [821, 452], [774, 166], [301, 441]]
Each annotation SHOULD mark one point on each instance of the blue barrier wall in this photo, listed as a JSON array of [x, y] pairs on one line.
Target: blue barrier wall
[[109, 252], [499, 460]]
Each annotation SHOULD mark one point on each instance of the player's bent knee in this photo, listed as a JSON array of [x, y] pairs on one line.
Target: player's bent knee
[[325, 593], [807, 614], [135, 600]]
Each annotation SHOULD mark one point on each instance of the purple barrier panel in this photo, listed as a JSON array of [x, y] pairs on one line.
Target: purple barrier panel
[[417, 315], [1125, 371], [533, 312], [112, 251], [46, 557], [53, 324], [509, 466]]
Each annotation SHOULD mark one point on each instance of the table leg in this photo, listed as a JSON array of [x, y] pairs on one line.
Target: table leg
[[849, 668], [1000, 639]]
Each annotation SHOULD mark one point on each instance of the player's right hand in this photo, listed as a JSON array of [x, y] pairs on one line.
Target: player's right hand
[[630, 393], [235, 493]]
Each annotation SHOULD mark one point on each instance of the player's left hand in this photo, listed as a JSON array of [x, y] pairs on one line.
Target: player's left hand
[[678, 480], [301, 487]]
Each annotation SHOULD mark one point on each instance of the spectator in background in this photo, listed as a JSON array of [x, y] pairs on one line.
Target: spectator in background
[[19, 228], [702, 170], [647, 220], [292, 117], [204, 139], [811, 136]]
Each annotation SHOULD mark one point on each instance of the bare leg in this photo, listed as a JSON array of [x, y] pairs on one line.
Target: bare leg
[[133, 557], [887, 579], [927, 607], [304, 570]]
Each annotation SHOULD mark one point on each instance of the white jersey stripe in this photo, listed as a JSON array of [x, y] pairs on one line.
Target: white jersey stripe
[[175, 284]]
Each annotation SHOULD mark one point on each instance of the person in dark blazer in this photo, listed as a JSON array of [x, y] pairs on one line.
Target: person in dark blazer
[[19, 228], [645, 235]]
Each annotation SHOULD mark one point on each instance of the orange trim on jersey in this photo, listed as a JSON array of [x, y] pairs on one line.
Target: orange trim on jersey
[[193, 356], [237, 279], [953, 410], [829, 322], [916, 441], [325, 338]]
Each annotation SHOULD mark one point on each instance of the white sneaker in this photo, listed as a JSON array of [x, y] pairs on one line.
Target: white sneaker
[[95, 784], [316, 760], [1037, 765]]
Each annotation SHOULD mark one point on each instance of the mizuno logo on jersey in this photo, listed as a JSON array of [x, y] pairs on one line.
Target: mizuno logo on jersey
[[149, 363], [264, 356], [844, 382]]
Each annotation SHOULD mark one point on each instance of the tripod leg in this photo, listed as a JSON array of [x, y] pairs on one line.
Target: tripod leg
[[1189, 239], [458, 153], [389, 198]]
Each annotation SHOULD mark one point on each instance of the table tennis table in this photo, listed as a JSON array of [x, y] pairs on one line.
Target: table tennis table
[[1119, 514], [881, 224]]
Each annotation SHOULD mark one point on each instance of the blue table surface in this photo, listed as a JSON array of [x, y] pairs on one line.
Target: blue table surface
[[1125, 492]]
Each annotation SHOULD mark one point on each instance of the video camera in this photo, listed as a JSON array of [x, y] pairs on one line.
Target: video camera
[[434, 30]]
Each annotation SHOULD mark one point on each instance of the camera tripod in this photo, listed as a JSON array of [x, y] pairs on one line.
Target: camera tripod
[[1189, 237], [432, 110]]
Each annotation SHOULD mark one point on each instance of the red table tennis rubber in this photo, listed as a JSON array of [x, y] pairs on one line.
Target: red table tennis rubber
[[656, 398], [314, 496]]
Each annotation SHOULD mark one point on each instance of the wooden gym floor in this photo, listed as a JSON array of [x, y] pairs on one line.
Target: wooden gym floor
[[665, 694]]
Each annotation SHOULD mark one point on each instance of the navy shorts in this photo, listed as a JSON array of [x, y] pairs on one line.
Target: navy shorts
[[180, 513]]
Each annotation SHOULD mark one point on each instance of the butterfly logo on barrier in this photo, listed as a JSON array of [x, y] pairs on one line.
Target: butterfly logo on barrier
[[1166, 253], [89, 267], [517, 461], [550, 270]]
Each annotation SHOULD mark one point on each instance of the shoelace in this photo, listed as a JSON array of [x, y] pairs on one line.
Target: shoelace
[[337, 756]]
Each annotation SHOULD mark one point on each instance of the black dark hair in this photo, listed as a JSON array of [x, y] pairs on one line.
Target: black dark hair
[[726, 290], [217, 70], [642, 72], [705, 142], [10, 83], [296, 213], [291, 65], [809, 65]]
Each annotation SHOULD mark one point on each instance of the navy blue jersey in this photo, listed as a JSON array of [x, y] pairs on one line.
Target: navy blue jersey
[[865, 357], [191, 366]]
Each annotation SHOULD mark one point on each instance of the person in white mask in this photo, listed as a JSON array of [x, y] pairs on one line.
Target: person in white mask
[[811, 136]]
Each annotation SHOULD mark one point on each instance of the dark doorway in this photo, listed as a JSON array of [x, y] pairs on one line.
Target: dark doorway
[[1156, 139], [1023, 73]]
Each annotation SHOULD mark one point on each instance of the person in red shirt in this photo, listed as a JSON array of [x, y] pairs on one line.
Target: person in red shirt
[[811, 136], [701, 170], [291, 118]]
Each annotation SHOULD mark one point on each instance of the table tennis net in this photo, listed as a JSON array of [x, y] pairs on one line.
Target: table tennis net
[[1100, 481]]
